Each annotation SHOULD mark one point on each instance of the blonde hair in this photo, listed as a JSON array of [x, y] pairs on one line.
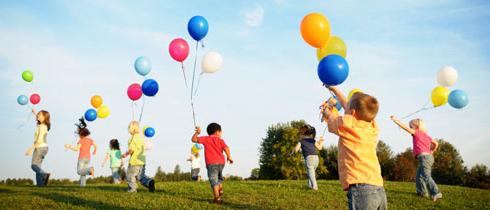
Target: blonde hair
[[417, 124], [366, 106], [134, 127]]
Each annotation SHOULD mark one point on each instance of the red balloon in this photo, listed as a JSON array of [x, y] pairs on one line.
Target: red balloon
[[134, 91], [178, 49], [35, 98]]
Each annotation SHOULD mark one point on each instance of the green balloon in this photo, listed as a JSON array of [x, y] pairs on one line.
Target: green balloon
[[27, 76]]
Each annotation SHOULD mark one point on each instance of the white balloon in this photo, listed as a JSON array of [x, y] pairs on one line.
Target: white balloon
[[447, 76], [148, 145], [211, 62]]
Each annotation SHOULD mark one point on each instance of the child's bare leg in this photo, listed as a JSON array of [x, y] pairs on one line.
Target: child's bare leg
[[220, 190], [216, 192]]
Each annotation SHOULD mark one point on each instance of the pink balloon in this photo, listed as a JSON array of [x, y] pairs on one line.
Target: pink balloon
[[178, 49], [134, 91], [35, 98]]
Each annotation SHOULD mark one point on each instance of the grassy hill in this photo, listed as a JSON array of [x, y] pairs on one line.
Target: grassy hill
[[238, 195]]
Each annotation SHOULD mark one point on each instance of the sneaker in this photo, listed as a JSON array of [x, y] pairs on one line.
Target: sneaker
[[46, 179], [436, 197], [151, 186]]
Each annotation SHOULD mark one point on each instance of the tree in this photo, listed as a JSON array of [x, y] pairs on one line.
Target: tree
[[405, 167], [275, 159], [329, 156], [478, 176], [254, 175], [177, 169], [448, 165], [386, 160]]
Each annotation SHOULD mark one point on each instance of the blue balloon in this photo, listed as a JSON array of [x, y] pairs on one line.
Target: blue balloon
[[333, 70], [458, 99], [149, 132], [91, 115], [22, 100], [338, 105], [199, 146], [150, 87], [142, 65], [197, 27]]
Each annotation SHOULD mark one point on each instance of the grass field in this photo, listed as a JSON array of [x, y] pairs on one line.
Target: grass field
[[238, 195]]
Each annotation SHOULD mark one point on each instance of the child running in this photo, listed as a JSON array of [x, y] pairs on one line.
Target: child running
[[359, 169], [116, 162], [423, 147], [40, 147], [309, 147], [195, 160], [137, 161], [84, 144], [214, 147]]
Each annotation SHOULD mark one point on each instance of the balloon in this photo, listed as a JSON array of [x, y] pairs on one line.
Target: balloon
[[178, 49], [352, 92], [439, 96], [458, 99], [315, 29], [197, 27], [142, 65], [96, 101], [333, 70], [22, 100], [194, 150], [91, 115], [27, 76], [103, 111], [144, 128], [335, 45], [447, 76], [134, 91], [150, 87], [211, 62], [148, 145], [198, 146], [149, 132], [35, 98]]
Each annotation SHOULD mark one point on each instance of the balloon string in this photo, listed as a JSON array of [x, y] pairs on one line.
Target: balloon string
[[133, 104], [185, 78], [142, 109], [194, 71], [193, 113], [28, 118], [325, 130], [198, 82], [425, 107]]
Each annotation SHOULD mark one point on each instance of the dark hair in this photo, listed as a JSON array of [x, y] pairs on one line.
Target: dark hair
[[114, 144], [47, 120], [82, 129], [307, 130], [365, 105], [213, 128]]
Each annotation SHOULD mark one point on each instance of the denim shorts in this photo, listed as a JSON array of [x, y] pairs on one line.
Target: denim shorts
[[215, 174], [195, 173], [366, 196]]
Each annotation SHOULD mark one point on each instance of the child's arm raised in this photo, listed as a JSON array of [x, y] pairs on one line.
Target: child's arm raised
[[340, 96], [228, 155], [319, 143], [73, 148], [401, 125], [196, 133]]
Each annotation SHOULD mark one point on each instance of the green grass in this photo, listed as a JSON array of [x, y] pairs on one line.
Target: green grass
[[238, 195]]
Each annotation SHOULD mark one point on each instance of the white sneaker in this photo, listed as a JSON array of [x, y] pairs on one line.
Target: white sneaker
[[436, 197]]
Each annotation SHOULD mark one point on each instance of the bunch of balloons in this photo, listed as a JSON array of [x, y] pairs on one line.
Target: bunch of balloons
[[196, 148], [149, 88], [446, 77], [331, 51], [34, 98], [99, 109]]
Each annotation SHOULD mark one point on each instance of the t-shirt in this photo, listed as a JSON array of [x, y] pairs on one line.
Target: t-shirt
[[357, 159], [213, 149], [40, 136], [195, 162], [421, 143], [115, 158], [137, 145], [85, 144], [308, 147]]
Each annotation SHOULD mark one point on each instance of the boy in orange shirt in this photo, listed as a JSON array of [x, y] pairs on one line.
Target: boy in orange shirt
[[359, 169]]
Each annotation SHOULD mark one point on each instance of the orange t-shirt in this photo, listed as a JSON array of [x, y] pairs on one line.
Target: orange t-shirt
[[85, 144], [357, 159]]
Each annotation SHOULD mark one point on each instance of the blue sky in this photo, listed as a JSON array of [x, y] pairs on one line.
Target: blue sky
[[77, 49]]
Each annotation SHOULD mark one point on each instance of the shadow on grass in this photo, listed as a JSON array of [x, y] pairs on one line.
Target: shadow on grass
[[60, 198], [210, 200]]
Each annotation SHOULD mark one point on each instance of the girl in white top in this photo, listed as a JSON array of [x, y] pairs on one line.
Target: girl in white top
[[40, 147], [195, 165]]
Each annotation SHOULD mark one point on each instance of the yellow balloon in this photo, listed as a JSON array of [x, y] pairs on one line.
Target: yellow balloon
[[315, 29], [439, 96], [194, 150], [144, 128], [96, 101], [335, 111], [351, 93], [335, 45], [103, 111]]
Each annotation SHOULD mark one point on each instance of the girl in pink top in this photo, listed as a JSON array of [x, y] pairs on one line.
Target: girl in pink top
[[423, 147], [84, 145]]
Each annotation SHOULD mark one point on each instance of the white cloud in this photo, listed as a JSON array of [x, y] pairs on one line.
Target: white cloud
[[254, 17]]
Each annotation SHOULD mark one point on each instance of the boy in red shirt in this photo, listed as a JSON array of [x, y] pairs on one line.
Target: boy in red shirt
[[214, 147]]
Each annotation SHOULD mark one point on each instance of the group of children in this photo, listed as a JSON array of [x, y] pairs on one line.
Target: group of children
[[358, 166]]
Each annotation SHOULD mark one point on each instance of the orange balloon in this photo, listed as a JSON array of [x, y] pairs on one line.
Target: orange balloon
[[96, 101], [315, 29]]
